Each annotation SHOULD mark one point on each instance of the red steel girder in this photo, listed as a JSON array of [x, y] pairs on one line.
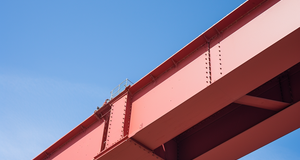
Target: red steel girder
[[253, 44], [180, 98]]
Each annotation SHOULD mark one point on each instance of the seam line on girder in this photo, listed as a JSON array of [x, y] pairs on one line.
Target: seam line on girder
[[208, 63]]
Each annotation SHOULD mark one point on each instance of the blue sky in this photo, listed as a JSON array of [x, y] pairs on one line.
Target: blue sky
[[59, 60]]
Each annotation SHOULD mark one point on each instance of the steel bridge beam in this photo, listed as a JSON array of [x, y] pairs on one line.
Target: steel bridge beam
[[230, 91]]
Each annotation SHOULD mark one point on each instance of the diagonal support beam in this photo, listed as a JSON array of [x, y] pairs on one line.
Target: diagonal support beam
[[262, 103]]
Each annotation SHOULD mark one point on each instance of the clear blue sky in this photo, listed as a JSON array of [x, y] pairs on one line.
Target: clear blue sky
[[59, 59]]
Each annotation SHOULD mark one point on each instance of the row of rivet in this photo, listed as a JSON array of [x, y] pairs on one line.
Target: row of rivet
[[122, 131], [220, 57], [208, 64], [109, 125], [144, 149], [129, 114]]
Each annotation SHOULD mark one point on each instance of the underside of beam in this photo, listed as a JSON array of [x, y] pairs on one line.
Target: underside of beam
[[263, 133], [240, 117]]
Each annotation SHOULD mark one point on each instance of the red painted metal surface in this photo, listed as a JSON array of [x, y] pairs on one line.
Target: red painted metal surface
[[116, 122], [223, 91], [193, 99], [167, 92], [83, 145], [86, 128]]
